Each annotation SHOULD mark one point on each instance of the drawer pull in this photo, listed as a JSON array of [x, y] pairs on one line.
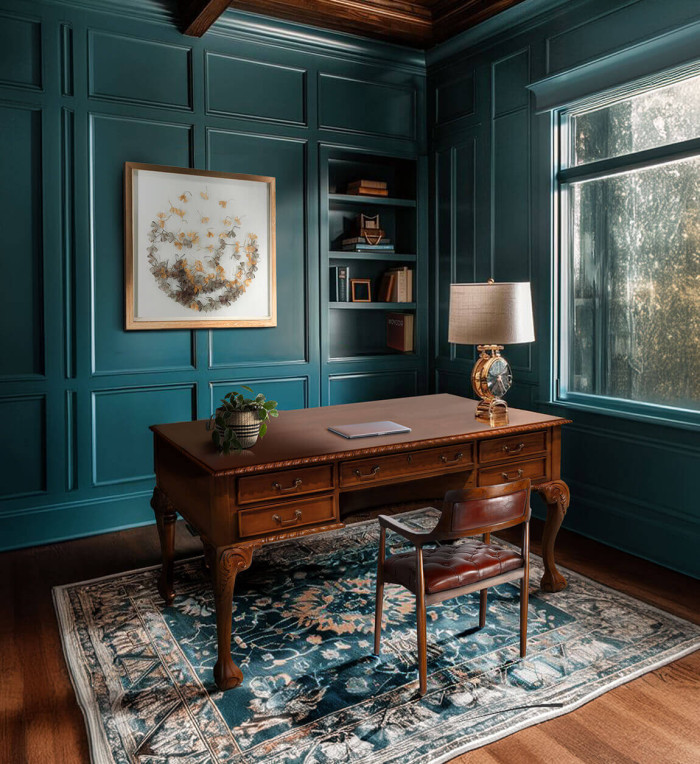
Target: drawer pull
[[458, 458], [295, 486], [512, 475], [514, 450], [293, 521], [369, 476]]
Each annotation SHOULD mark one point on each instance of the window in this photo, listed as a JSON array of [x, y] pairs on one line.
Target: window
[[629, 211]]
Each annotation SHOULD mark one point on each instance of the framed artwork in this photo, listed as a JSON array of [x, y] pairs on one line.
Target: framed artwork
[[200, 248]]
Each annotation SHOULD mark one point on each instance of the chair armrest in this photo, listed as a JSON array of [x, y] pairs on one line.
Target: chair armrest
[[390, 523]]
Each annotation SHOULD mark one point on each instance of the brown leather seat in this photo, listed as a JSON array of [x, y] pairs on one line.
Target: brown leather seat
[[449, 567], [434, 575]]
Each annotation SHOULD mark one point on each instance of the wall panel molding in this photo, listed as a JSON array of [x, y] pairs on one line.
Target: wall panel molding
[[21, 63], [294, 391], [23, 448], [137, 70]]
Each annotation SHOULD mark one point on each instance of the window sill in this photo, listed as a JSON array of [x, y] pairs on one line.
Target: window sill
[[678, 418]]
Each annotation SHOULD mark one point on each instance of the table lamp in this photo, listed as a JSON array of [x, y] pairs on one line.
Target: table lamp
[[490, 316]]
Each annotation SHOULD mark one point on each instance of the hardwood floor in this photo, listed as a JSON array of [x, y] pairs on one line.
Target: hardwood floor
[[653, 719]]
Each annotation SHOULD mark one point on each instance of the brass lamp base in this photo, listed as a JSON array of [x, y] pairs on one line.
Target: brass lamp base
[[491, 378], [492, 412]]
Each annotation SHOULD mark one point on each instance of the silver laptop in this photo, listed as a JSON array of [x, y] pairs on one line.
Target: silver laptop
[[368, 429]]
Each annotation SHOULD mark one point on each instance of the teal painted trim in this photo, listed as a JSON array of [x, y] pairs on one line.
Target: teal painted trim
[[646, 59], [641, 412], [61, 522], [513, 21], [251, 27]]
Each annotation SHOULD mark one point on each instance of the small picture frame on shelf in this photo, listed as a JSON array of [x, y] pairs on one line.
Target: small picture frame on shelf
[[361, 290]]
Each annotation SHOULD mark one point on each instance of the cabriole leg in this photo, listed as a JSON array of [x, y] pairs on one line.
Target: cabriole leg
[[556, 496], [165, 521]]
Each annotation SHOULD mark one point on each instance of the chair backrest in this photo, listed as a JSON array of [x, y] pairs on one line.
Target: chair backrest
[[481, 510]]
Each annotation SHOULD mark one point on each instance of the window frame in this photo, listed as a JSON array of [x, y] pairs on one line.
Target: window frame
[[564, 173]]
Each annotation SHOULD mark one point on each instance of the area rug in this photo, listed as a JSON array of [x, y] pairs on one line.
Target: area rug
[[313, 692]]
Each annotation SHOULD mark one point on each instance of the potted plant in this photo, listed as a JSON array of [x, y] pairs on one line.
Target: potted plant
[[239, 421]]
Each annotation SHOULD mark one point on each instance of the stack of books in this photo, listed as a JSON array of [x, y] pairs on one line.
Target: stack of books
[[361, 244], [367, 188], [399, 331], [396, 285]]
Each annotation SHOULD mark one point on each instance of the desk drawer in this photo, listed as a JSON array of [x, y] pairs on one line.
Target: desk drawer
[[381, 468], [535, 469], [285, 517], [514, 447], [274, 485]]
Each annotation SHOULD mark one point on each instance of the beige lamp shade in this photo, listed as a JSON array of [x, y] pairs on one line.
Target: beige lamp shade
[[491, 314]]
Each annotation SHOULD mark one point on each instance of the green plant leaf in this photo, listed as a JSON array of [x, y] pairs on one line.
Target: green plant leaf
[[263, 429], [270, 405], [249, 389], [273, 413]]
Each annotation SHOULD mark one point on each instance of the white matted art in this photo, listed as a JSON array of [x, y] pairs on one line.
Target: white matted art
[[200, 248]]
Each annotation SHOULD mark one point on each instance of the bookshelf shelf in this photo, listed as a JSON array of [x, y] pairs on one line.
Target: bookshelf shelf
[[392, 257], [395, 306], [385, 201], [355, 335]]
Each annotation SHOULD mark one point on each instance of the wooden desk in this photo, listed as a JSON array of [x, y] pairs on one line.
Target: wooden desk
[[301, 479]]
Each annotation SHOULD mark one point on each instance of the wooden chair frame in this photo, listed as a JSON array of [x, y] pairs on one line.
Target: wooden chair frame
[[443, 531]]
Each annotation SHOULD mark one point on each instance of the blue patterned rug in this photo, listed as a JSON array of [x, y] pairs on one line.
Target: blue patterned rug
[[313, 692]]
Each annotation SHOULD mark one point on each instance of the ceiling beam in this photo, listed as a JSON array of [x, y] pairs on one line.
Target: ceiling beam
[[196, 16]]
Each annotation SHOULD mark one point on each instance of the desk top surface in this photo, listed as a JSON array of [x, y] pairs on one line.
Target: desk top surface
[[301, 436]]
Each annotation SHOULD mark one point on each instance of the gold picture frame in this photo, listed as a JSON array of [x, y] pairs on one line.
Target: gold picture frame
[[200, 248]]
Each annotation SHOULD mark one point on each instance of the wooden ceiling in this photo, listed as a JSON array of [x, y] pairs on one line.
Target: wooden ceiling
[[419, 23]]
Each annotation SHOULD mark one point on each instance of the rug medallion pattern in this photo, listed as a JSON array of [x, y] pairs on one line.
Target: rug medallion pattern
[[313, 692]]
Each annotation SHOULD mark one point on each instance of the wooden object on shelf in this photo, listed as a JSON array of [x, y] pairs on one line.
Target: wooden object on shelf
[[361, 290], [403, 286], [367, 188], [399, 331], [291, 497], [386, 287]]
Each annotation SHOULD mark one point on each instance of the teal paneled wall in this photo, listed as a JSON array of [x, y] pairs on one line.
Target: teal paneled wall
[[633, 483], [84, 89]]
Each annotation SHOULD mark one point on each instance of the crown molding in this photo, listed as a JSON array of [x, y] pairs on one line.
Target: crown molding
[[249, 27]]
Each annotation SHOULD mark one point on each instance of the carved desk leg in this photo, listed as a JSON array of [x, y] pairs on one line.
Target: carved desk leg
[[225, 564], [556, 496], [165, 520]]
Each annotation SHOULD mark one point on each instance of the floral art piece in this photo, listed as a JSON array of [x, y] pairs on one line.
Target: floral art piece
[[200, 248]]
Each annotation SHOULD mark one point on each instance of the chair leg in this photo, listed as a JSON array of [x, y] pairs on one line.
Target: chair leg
[[422, 643], [421, 624], [523, 615], [379, 602], [483, 594], [378, 609]]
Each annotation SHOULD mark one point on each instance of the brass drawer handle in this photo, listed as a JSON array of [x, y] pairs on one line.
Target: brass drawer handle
[[515, 450], [294, 487], [293, 521], [369, 476], [511, 476], [458, 458]]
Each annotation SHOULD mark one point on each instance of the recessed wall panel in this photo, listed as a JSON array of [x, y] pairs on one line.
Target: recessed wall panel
[[21, 202], [115, 141], [289, 393], [122, 443], [20, 43], [284, 160], [361, 106], [371, 386], [240, 87], [454, 99], [510, 79], [22, 446], [129, 69]]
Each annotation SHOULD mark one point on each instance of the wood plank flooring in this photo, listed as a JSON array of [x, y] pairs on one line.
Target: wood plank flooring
[[651, 720]]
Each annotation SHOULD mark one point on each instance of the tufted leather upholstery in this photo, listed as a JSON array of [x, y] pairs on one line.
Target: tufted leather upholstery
[[449, 567]]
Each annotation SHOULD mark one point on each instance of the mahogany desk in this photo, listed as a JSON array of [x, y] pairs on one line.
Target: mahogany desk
[[301, 479]]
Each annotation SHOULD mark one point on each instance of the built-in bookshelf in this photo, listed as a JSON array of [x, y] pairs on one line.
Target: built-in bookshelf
[[356, 332]]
